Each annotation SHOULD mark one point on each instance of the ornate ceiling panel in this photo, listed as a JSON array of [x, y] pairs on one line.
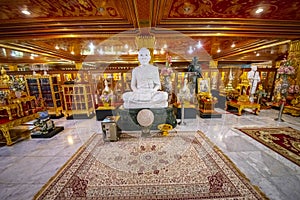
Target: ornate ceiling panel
[[63, 30], [233, 9]]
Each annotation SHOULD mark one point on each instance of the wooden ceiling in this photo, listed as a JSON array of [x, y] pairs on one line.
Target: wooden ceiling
[[60, 31]]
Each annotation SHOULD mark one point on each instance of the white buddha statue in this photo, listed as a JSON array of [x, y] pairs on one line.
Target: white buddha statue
[[145, 84]]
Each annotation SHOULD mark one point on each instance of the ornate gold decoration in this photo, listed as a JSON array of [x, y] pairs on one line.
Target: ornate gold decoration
[[4, 128], [147, 41], [165, 128], [242, 105]]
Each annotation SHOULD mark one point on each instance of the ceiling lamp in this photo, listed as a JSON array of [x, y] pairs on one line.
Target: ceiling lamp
[[259, 10], [233, 45], [219, 50], [57, 47], [26, 12]]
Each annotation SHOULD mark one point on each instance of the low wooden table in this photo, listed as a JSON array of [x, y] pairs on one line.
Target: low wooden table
[[242, 105]]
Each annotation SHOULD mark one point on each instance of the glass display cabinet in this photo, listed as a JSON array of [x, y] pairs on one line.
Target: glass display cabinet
[[78, 100], [48, 88]]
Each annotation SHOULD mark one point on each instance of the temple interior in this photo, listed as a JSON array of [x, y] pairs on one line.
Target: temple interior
[[141, 72]]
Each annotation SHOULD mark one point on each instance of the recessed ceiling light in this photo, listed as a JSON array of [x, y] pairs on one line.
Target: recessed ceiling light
[[26, 12], [259, 10]]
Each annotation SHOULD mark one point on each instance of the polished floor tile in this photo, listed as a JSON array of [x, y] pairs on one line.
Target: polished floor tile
[[26, 166]]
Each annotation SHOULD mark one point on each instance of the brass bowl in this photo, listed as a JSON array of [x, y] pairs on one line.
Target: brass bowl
[[165, 128]]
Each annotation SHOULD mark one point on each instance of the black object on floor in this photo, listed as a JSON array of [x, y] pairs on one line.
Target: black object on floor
[[80, 116], [50, 134], [53, 116]]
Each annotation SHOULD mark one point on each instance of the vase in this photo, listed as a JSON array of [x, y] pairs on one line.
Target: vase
[[18, 94], [283, 91], [284, 85]]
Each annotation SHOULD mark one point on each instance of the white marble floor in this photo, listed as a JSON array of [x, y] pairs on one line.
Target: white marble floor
[[26, 166]]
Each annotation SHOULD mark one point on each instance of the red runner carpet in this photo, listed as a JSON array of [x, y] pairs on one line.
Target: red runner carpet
[[283, 140]]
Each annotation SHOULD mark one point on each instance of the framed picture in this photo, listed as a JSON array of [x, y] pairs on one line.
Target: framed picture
[[203, 85]]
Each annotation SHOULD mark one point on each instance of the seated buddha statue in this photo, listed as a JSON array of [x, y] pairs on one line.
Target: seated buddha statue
[[145, 84]]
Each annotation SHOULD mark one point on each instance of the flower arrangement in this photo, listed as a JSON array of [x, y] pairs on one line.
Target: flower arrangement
[[294, 89], [167, 70], [286, 68], [17, 84], [106, 97]]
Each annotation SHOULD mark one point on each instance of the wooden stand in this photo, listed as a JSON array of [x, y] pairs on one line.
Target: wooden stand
[[103, 111]]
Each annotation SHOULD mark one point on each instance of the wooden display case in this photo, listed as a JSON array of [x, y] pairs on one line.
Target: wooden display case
[[78, 99], [48, 88]]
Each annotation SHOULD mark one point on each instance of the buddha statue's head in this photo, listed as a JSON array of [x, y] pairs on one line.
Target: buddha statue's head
[[144, 56]]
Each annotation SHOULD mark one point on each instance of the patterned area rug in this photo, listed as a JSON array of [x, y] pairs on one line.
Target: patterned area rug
[[283, 140], [184, 165]]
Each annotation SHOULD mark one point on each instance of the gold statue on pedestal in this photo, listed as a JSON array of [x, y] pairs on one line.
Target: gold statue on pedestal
[[243, 88], [4, 78]]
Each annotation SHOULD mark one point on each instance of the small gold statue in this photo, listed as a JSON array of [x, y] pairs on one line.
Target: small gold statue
[[4, 78]]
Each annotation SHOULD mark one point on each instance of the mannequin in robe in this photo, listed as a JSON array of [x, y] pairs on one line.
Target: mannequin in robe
[[254, 78]]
